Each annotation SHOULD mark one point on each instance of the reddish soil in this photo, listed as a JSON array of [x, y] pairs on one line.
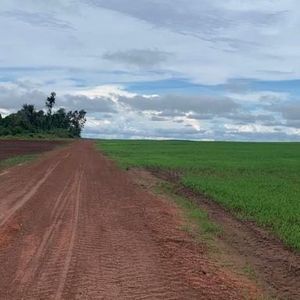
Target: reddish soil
[[276, 266], [73, 226], [10, 148]]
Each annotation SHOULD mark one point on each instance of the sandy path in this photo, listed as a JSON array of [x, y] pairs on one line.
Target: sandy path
[[73, 226]]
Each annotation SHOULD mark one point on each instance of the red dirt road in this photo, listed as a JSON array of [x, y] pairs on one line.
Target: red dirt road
[[73, 226]]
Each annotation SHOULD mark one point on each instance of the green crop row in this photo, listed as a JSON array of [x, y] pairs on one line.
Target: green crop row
[[256, 181]]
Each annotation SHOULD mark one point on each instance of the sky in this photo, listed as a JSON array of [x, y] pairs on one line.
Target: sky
[[159, 69]]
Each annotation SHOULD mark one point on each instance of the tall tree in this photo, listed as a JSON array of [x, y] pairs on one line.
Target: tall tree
[[28, 113], [50, 102], [77, 121]]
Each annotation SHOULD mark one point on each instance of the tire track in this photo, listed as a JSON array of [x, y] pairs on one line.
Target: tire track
[[27, 195], [56, 214], [4, 173], [54, 262], [68, 257]]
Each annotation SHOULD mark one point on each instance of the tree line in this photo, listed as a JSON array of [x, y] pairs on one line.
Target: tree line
[[38, 123]]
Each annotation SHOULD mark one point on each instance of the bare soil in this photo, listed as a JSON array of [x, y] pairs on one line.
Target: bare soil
[[10, 148], [275, 266], [73, 226]]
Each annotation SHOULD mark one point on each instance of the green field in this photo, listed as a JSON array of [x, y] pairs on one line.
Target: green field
[[256, 181]]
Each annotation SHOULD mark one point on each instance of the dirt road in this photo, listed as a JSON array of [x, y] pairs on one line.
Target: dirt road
[[73, 226]]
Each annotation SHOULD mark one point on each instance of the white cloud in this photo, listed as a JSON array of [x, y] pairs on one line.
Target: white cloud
[[91, 51], [205, 42], [112, 91], [114, 112]]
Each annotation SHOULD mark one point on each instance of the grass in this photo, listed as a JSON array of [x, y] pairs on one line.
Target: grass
[[256, 181], [16, 160], [249, 271], [198, 222]]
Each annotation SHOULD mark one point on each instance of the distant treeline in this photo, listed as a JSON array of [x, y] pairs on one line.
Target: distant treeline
[[39, 123]]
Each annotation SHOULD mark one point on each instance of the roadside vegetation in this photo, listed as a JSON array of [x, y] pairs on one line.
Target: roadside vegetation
[[197, 220], [257, 181], [48, 123]]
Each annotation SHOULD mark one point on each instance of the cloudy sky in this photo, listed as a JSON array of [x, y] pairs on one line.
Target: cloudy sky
[[184, 69]]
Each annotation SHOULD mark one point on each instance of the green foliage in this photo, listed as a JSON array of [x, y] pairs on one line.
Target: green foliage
[[257, 181], [29, 122], [194, 215], [50, 102]]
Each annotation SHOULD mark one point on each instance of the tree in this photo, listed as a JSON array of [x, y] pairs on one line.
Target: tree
[[41, 120], [28, 114], [50, 102], [78, 120], [29, 121]]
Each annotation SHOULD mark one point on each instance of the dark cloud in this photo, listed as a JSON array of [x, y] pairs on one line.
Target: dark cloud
[[168, 113], [204, 116], [203, 19], [290, 111], [292, 123], [166, 14], [142, 58], [37, 19], [246, 118], [179, 104], [158, 119], [13, 97]]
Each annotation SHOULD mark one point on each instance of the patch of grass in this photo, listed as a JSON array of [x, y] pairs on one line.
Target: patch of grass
[[198, 220], [249, 271], [16, 160], [256, 181]]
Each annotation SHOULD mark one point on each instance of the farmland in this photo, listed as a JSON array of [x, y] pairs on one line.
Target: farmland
[[256, 181], [10, 148], [17, 151]]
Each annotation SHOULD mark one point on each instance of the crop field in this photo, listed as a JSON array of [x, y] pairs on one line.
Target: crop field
[[14, 152], [256, 181], [16, 148]]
